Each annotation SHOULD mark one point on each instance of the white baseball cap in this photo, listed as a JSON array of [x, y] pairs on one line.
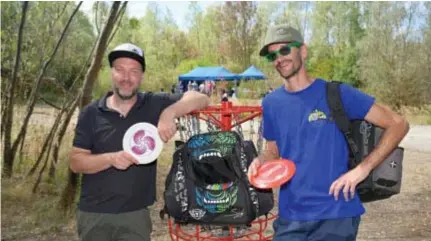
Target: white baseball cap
[[127, 50]]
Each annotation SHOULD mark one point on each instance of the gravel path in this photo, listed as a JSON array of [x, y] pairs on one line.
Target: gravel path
[[418, 139]]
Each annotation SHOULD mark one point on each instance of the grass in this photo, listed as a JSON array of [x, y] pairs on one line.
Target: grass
[[418, 116], [27, 216]]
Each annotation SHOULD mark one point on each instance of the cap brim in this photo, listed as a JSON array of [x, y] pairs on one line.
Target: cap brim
[[264, 51], [126, 54]]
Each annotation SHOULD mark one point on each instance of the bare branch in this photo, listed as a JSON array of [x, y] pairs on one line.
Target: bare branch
[[69, 191], [96, 20], [49, 138], [39, 178], [93, 71], [61, 132], [118, 18], [56, 83], [84, 67], [49, 103], [35, 90], [62, 11], [21, 153]]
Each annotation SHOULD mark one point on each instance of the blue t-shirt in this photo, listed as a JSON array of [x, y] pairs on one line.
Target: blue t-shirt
[[300, 124]]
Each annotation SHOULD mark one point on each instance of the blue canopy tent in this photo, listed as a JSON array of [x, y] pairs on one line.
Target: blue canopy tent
[[208, 73], [252, 73]]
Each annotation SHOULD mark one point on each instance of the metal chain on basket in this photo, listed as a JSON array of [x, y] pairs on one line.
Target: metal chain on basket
[[260, 136], [180, 128], [188, 127], [252, 132], [195, 125], [238, 127], [210, 126]]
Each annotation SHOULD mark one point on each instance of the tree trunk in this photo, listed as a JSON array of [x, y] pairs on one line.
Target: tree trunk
[[93, 71], [4, 98], [21, 153], [69, 193], [69, 114], [8, 155], [96, 19], [39, 178], [118, 20], [48, 141], [60, 136]]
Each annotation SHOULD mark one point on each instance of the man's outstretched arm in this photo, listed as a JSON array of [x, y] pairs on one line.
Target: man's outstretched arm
[[190, 101]]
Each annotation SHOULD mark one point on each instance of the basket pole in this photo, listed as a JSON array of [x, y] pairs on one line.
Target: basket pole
[[226, 117]]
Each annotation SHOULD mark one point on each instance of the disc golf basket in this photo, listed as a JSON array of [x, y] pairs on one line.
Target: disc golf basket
[[225, 117]]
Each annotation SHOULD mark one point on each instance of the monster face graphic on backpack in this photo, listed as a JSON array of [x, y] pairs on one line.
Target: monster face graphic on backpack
[[200, 154], [221, 138], [199, 141], [225, 138], [216, 201], [211, 170], [206, 145]]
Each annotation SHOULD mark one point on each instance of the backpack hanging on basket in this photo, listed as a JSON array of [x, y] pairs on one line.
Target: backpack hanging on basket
[[208, 182], [362, 137]]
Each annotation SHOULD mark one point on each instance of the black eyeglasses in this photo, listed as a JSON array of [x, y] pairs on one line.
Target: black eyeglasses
[[283, 51]]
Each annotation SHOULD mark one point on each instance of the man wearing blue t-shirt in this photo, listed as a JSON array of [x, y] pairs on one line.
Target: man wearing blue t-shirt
[[320, 201]]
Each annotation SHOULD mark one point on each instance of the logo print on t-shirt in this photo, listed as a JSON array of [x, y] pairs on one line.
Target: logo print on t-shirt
[[142, 144], [316, 115]]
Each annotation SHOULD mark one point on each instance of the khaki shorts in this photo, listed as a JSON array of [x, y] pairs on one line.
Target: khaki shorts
[[134, 226]]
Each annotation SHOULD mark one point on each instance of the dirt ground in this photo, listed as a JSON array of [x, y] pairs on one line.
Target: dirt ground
[[405, 217]]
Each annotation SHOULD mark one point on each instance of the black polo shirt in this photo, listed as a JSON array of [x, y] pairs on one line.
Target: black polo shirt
[[101, 130]]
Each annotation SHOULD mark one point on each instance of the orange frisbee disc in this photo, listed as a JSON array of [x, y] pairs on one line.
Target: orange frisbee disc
[[273, 174]]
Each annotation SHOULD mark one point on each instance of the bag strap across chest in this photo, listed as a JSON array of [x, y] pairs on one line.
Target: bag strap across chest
[[339, 115]]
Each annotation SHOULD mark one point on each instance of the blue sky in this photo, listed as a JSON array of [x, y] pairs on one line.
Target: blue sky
[[137, 9]]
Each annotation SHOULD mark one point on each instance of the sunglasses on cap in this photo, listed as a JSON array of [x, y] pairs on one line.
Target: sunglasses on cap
[[283, 51]]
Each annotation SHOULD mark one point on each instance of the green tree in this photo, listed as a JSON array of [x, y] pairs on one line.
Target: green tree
[[241, 30], [296, 14], [195, 25], [389, 54], [46, 21]]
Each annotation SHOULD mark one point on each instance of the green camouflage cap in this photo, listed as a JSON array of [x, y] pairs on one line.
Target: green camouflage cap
[[282, 33]]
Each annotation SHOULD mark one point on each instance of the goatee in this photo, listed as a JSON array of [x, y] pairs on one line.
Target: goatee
[[294, 72], [125, 97]]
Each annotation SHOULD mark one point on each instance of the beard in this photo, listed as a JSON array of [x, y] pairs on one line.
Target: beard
[[125, 97], [291, 73]]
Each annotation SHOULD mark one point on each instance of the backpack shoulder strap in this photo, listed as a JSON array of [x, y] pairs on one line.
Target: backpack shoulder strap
[[336, 108]]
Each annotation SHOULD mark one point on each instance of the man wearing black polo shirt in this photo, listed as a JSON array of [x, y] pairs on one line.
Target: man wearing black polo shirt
[[115, 191]]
